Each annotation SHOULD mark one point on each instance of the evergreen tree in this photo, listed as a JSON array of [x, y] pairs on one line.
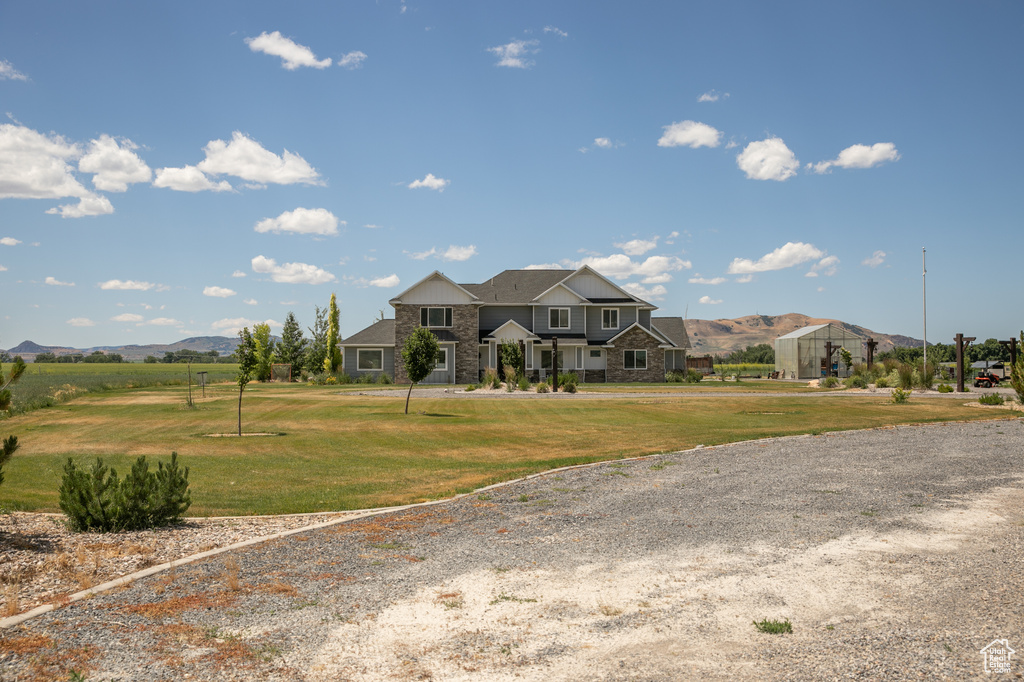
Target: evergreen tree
[[292, 349], [333, 360]]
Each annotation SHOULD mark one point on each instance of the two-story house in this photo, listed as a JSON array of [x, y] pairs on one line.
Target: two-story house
[[603, 333]]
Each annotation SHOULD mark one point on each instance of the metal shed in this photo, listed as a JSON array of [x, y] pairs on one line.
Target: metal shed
[[800, 354]]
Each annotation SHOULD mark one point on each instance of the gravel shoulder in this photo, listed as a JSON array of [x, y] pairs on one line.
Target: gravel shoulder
[[895, 553]]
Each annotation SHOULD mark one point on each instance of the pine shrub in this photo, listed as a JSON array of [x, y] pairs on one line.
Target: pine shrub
[[98, 501]]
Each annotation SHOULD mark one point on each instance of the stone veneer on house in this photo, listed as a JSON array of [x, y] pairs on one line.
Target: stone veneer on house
[[465, 321], [636, 339]]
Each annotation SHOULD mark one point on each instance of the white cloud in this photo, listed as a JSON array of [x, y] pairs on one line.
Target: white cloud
[[875, 259], [165, 322], [827, 266], [188, 179], [655, 293], [302, 221], [54, 282], [115, 164], [35, 166], [233, 325], [768, 159], [860, 156], [383, 282], [81, 322], [8, 72], [128, 317], [238, 273], [545, 266], [430, 182], [9, 241], [127, 285], [218, 292], [3, 268], [291, 273], [620, 266], [663, 278], [602, 142], [245, 158], [707, 300], [557, 31], [291, 53], [691, 134], [697, 279], [515, 54], [786, 256], [251, 301], [638, 247], [713, 96], [452, 253], [745, 279], [352, 60], [370, 226]]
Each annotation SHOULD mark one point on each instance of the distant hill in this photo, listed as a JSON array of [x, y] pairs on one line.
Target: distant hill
[[720, 337], [225, 345]]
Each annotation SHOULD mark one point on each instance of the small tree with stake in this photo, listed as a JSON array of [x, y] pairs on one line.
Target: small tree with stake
[[247, 360], [419, 357]]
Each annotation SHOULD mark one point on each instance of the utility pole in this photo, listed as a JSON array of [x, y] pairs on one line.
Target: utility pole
[[924, 308]]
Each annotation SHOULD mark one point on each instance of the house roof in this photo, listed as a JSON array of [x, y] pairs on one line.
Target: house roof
[[673, 329], [516, 286], [380, 333], [654, 333]]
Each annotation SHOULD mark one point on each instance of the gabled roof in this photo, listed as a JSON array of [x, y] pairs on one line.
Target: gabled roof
[[673, 329], [516, 286], [435, 273], [628, 297], [380, 333], [803, 331], [515, 325], [636, 325]]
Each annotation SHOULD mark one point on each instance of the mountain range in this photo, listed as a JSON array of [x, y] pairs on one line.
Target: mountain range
[[707, 337]]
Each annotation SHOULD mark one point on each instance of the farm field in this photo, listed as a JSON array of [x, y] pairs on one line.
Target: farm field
[[334, 449]]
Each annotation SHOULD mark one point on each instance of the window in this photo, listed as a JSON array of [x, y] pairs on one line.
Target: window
[[545, 359], [370, 359], [609, 318], [558, 318], [579, 357], [634, 359], [442, 360], [595, 354], [435, 317]]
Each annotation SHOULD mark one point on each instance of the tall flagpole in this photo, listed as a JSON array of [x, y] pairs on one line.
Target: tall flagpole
[[924, 308]]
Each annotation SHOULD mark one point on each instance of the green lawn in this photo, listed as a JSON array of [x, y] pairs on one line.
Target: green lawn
[[339, 450]]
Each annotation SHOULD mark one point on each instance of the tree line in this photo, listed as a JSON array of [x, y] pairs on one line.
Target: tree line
[[990, 350]]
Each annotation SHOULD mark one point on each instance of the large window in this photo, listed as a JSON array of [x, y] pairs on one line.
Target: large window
[[634, 359], [609, 318], [442, 360], [558, 318], [435, 317], [370, 359], [545, 359]]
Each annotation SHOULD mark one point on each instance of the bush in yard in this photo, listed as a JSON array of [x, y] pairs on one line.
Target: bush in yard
[[542, 387], [991, 399], [98, 501], [1017, 372], [945, 388], [899, 396], [856, 381], [830, 382], [524, 384]]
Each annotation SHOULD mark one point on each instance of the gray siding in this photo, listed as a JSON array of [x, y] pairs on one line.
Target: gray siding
[[445, 376], [575, 320], [352, 365], [645, 319], [627, 316], [492, 317]]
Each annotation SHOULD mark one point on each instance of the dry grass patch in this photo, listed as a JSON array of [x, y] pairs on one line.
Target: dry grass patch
[[177, 605]]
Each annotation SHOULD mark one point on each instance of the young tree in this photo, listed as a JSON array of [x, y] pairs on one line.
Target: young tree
[[292, 349], [419, 357], [10, 444], [264, 350], [1017, 372], [333, 360], [316, 354], [847, 357], [246, 353]]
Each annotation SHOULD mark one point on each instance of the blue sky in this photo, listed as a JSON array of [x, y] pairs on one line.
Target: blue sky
[[181, 169]]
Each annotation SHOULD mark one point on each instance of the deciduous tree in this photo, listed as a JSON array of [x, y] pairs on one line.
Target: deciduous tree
[[333, 360], [419, 357], [246, 353]]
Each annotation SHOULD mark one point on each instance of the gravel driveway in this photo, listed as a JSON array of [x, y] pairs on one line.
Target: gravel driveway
[[894, 553]]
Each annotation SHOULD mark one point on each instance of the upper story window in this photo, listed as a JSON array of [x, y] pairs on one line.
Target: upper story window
[[609, 318], [435, 317], [558, 318]]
